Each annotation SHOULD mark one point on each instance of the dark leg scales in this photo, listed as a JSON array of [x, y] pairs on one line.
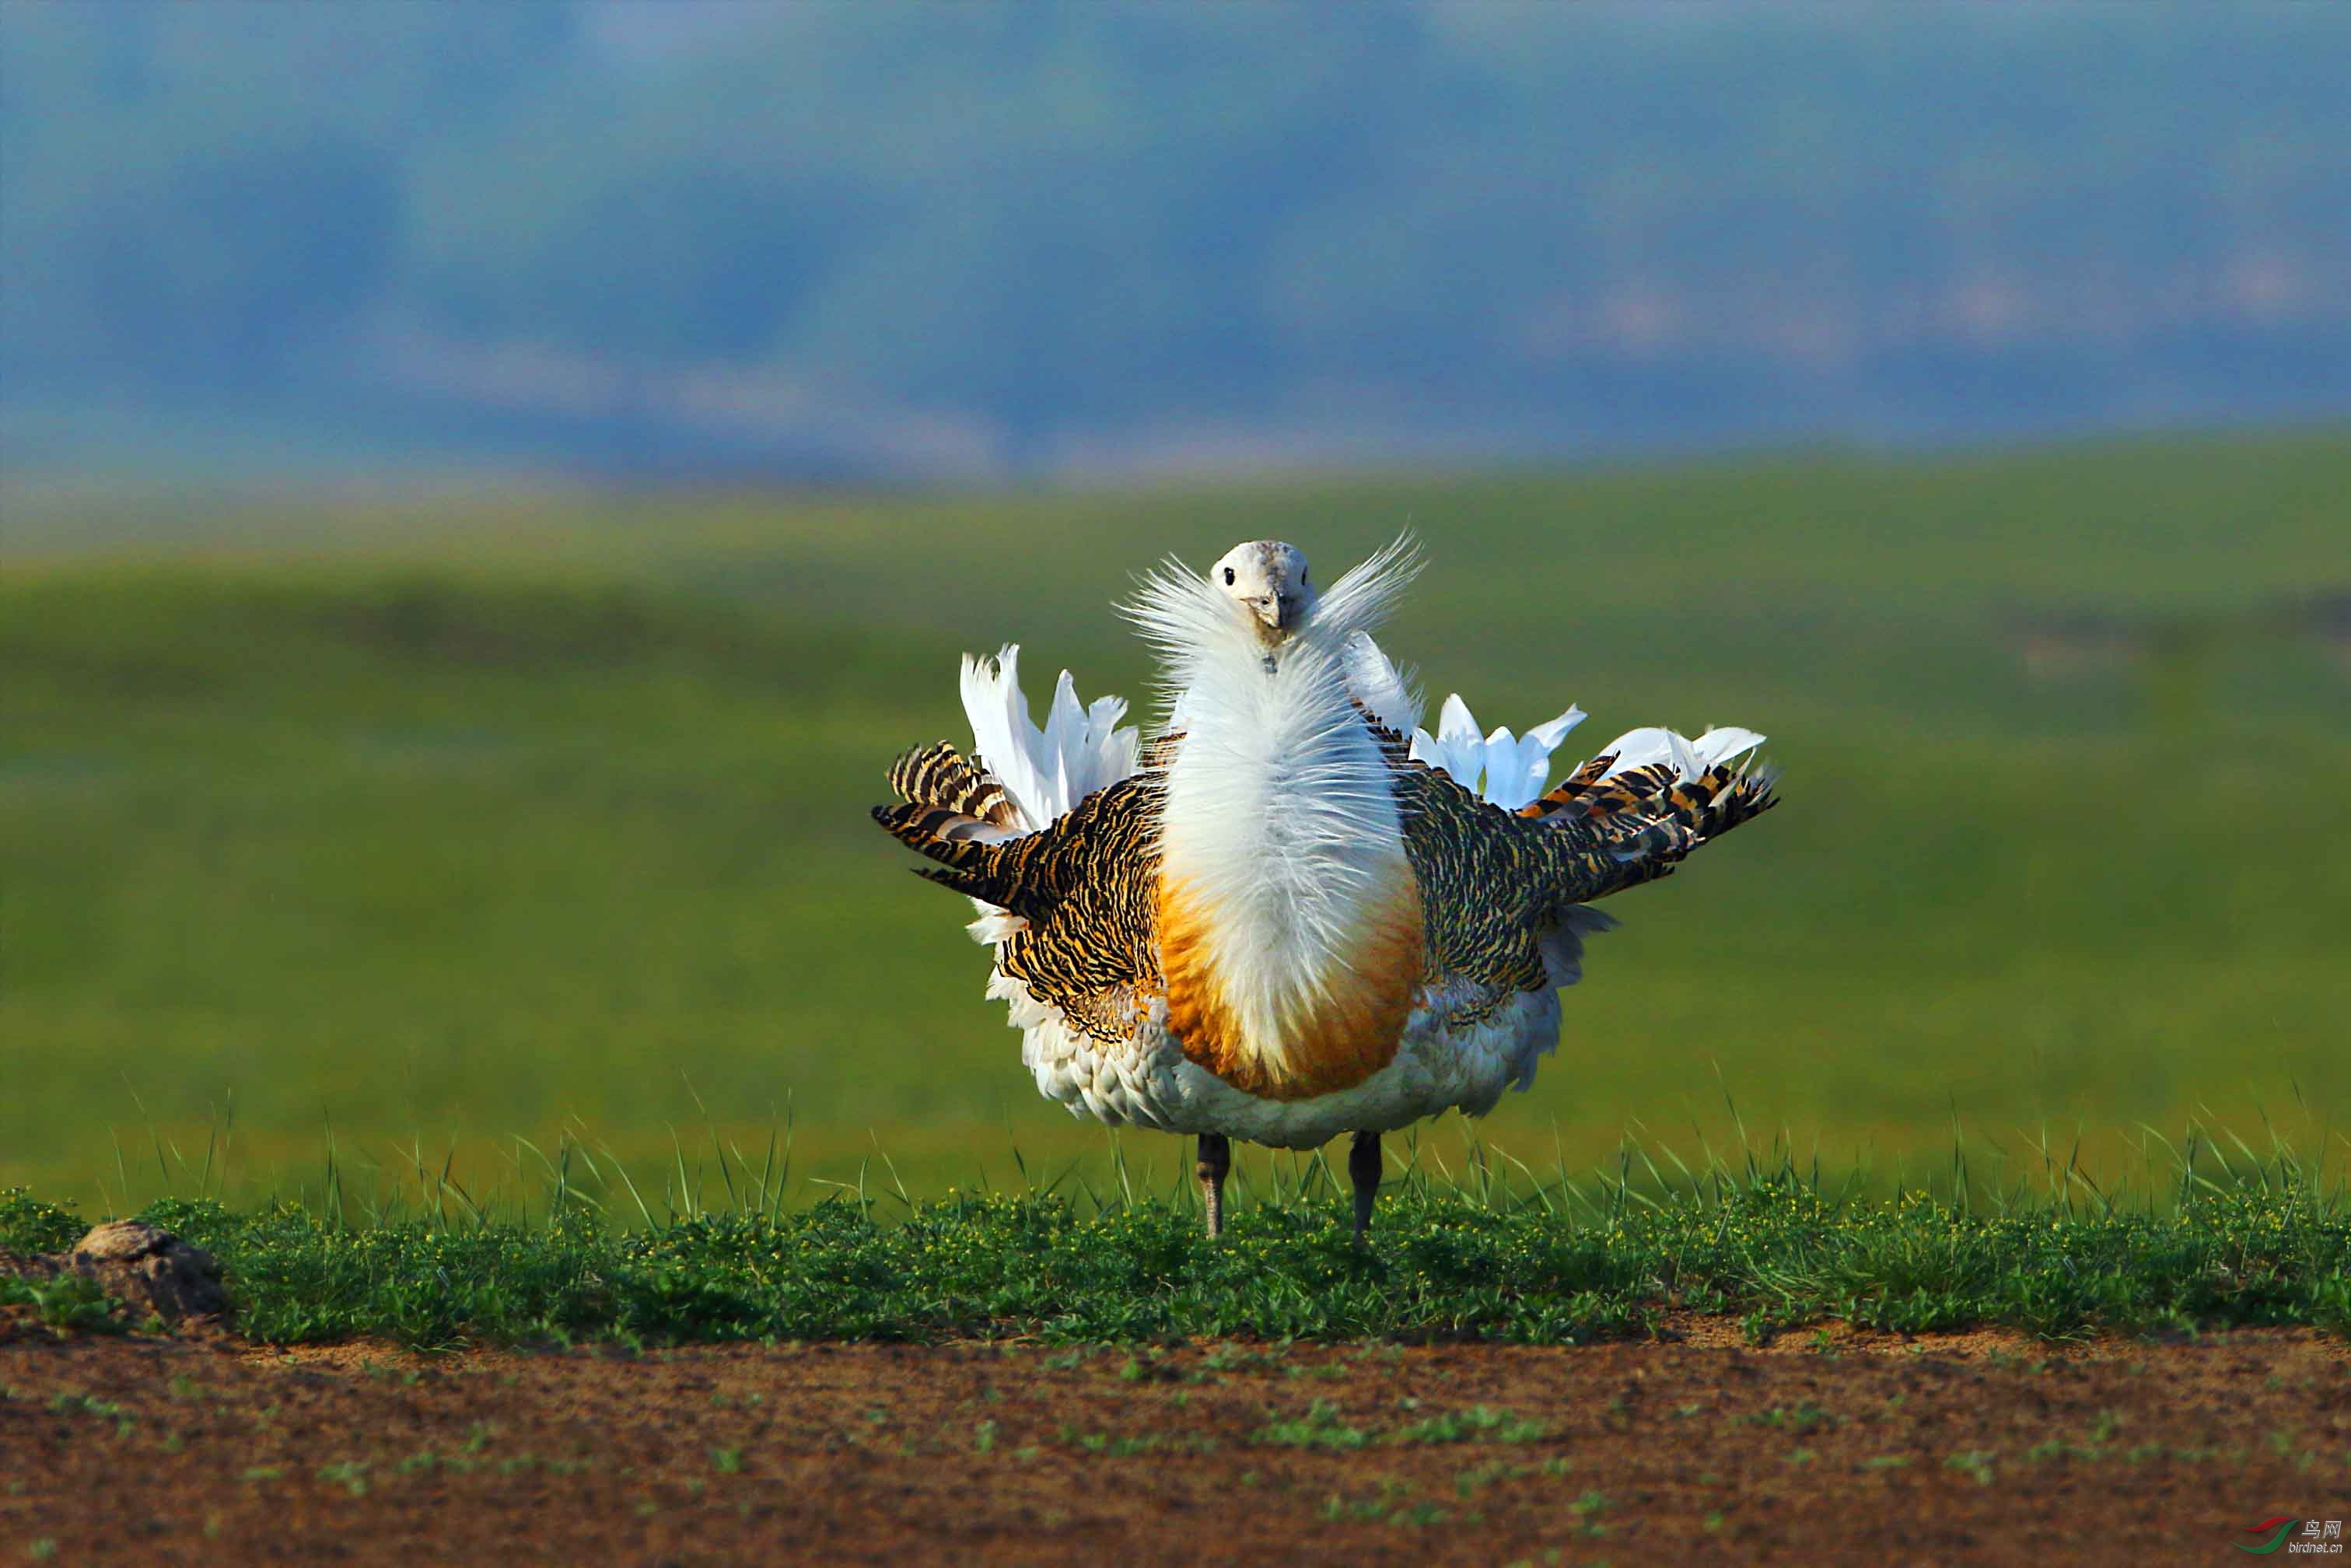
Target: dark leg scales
[[1216, 1159], [1364, 1170]]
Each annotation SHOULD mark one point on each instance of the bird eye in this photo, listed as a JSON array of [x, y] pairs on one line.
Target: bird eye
[[1228, 577], [1302, 576]]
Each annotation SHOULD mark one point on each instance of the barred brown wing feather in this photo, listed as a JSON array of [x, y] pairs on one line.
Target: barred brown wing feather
[[1572, 787], [1086, 887], [940, 777], [1495, 883], [1483, 881]]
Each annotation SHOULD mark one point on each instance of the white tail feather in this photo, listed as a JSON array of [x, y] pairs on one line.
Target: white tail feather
[[1044, 772], [1506, 771], [1642, 748], [1720, 746]]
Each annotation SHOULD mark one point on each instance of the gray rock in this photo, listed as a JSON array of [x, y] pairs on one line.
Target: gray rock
[[140, 1266]]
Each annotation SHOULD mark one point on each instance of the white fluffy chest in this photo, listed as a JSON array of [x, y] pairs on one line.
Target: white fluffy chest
[[1288, 919]]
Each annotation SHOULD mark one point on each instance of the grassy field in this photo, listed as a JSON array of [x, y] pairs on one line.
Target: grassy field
[[412, 826], [1486, 1259]]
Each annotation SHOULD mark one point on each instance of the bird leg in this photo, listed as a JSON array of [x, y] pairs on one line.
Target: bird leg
[[1364, 1170], [1216, 1159]]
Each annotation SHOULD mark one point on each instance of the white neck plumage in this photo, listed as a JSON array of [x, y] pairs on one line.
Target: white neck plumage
[[1289, 919]]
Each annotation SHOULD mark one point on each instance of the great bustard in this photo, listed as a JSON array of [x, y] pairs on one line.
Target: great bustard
[[1282, 919]]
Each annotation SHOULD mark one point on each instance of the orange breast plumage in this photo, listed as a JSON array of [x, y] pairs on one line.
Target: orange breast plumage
[[1329, 1035]]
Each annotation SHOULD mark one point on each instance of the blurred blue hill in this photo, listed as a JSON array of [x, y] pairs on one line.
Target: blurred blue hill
[[988, 241]]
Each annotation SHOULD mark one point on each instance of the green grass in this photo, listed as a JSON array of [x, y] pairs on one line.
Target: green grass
[[414, 824], [1550, 1261]]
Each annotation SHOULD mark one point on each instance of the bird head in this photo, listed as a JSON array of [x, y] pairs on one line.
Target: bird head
[[1267, 580]]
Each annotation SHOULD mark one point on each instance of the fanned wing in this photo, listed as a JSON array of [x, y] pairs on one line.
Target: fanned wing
[[1084, 889], [1499, 888]]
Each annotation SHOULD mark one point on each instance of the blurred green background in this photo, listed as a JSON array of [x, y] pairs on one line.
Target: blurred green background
[[437, 821]]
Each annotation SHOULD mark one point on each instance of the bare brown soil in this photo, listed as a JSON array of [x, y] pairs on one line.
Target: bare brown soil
[[1839, 1447]]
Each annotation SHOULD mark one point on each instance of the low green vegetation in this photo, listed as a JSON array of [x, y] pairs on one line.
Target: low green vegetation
[[409, 825], [2269, 1242]]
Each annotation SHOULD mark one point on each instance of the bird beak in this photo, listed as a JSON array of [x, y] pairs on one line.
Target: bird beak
[[1280, 613]]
